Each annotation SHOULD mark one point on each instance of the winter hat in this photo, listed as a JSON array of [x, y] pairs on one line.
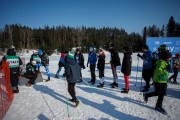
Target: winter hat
[[177, 55], [90, 49], [35, 51], [40, 52], [62, 55], [165, 55], [33, 62], [162, 47], [146, 47], [70, 55]]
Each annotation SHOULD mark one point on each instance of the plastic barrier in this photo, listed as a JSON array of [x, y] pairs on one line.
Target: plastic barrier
[[6, 94]]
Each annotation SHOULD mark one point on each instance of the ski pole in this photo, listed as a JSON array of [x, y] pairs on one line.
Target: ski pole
[[67, 101], [141, 86], [89, 84], [137, 69]]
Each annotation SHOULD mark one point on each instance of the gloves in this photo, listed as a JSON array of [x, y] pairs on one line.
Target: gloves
[[138, 55], [64, 75], [83, 67]]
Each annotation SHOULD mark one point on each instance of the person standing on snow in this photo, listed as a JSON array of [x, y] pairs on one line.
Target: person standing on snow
[[175, 67], [115, 61], [15, 65], [45, 62], [78, 56], [147, 71], [61, 64], [100, 66], [160, 80], [92, 58], [126, 67], [72, 75]]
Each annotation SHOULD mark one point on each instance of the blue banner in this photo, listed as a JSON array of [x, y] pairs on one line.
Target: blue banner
[[172, 43]]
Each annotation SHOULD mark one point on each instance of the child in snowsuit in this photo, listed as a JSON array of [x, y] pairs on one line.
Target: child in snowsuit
[[72, 74], [31, 73], [160, 80], [126, 67], [100, 66], [61, 64]]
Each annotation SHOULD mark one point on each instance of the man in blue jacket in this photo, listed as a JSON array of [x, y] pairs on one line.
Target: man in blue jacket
[[92, 58]]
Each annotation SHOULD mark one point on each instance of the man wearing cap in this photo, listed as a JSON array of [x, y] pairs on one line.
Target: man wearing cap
[[72, 75], [92, 58]]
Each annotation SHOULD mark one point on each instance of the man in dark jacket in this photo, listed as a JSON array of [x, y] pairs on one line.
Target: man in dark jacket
[[78, 56], [72, 75], [115, 61], [44, 62], [126, 67], [14, 65]]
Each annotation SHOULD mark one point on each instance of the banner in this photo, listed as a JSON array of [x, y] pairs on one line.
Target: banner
[[6, 94], [172, 43]]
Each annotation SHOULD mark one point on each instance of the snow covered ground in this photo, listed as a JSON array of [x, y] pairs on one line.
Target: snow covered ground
[[48, 100]]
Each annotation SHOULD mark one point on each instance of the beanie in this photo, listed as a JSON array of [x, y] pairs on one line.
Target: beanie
[[165, 55], [145, 47], [40, 52], [70, 55], [162, 47]]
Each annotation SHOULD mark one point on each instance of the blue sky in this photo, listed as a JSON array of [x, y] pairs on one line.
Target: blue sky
[[131, 15]]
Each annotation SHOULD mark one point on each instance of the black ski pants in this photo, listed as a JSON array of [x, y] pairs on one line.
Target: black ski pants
[[160, 91], [71, 90]]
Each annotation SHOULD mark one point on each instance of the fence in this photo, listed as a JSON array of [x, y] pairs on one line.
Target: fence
[[6, 94]]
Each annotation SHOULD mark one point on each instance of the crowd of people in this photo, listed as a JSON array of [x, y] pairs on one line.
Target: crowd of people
[[156, 66]]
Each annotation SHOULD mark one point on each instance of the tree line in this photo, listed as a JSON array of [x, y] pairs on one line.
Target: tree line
[[64, 38]]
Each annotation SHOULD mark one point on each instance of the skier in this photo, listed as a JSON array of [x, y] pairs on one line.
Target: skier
[[160, 80], [78, 56], [115, 61], [15, 65], [61, 64], [175, 67], [147, 71], [92, 58], [45, 62], [126, 67], [31, 73], [72, 74], [100, 66]]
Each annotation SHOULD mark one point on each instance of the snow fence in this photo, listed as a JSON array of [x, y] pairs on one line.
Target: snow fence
[[6, 94]]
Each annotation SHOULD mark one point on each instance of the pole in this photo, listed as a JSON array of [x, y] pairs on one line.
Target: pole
[[137, 69], [67, 101], [141, 86]]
